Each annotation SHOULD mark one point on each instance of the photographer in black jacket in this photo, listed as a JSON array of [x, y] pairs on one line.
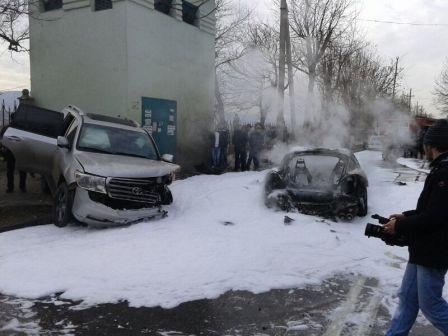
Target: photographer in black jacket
[[427, 231]]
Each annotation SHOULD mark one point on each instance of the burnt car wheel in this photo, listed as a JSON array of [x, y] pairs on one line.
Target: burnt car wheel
[[63, 202], [273, 182], [362, 203], [284, 203]]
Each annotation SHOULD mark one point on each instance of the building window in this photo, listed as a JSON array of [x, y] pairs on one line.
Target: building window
[[49, 5], [103, 4], [189, 12], [163, 6]]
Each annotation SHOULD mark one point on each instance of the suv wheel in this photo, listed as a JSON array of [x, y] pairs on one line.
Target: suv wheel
[[62, 210]]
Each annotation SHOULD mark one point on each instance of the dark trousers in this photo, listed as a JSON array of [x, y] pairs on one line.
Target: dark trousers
[[216, 156], [223, 158], [10, 167], [255, 157], [240, 158]]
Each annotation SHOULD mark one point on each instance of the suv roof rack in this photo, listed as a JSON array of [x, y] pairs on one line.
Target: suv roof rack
[[115, 120], [75, 109]]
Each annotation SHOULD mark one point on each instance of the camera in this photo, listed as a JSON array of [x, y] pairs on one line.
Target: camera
[[377, 231]]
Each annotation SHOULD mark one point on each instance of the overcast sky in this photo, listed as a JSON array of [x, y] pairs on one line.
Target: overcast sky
[[422, 49]]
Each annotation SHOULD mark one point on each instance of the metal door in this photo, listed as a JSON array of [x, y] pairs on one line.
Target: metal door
[[159, 117], [20, 144]]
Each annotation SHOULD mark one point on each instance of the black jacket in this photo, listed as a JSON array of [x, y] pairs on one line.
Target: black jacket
[[224, 138], [427, 226], [256, 140], [240, 139]]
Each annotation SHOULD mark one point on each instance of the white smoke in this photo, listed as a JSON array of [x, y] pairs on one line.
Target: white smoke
[[250, 89]]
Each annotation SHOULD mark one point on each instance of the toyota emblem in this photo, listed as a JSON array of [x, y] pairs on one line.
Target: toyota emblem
[[137, 191]]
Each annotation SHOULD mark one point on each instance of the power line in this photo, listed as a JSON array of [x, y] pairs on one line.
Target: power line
[[406, 23]]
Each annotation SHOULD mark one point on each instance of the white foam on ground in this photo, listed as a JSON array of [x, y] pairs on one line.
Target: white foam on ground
[[192, 255]]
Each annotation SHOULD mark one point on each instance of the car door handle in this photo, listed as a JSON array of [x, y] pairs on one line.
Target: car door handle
[[14, 138]]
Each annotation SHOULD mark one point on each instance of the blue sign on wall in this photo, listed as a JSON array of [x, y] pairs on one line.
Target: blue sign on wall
[[159, 117]]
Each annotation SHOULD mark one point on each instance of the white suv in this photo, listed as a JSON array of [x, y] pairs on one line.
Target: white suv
[[102, 171]]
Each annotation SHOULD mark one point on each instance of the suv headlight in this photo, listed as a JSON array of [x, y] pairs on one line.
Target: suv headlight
[[91, 182], [166, 179]]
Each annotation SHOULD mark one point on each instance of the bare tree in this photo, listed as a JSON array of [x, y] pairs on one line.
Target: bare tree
[[317, 24], [261, 73], [441, 89], [230, 28], [13, 25]]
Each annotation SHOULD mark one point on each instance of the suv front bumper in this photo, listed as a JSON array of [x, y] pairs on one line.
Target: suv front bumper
[[96, 214]]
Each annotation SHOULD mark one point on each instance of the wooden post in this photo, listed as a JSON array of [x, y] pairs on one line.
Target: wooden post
[[395, 79]]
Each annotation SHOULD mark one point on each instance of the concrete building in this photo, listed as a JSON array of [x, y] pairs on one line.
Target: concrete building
[[147, 60]]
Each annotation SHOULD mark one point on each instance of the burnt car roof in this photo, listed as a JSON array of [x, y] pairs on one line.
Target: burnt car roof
[[324, 151], [320, 187], [340, 153]]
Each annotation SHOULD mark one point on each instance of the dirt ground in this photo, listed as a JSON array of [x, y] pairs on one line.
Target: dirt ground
[[23, 209]]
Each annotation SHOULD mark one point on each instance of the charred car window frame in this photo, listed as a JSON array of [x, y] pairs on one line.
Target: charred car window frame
[[285, 191]]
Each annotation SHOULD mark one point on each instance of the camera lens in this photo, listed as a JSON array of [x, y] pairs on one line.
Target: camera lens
[[373, 230]]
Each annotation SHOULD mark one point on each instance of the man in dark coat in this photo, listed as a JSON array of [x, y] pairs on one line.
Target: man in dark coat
[[256, 141], [426, 228], [10, 167], [224, 139], [239, 140]]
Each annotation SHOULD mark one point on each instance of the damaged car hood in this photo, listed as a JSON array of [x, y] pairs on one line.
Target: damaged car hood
[[109, 165]]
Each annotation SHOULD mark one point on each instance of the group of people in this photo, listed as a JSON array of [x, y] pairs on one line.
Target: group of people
[[247, 143]]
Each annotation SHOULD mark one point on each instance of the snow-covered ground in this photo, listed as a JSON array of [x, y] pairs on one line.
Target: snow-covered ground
[[218, 236], [416, 164]]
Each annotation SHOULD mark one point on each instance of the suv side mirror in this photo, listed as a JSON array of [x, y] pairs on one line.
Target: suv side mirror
[[63, 142], [168, 157]]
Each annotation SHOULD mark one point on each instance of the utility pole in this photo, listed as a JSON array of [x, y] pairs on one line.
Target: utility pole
[[395, 79], [281, 64], [3, 113], [292, 102], [410, 99]]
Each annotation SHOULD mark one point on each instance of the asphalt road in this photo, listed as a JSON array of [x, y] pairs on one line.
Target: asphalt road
[[326, 309]]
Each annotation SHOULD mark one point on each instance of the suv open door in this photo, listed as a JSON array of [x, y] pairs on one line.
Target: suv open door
[[31, 138]]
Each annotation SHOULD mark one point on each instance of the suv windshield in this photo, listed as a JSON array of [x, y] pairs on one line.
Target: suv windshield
[[113, 140]]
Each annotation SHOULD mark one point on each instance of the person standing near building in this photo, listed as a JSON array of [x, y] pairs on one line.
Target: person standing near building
[[224, 138], [426, 228], [216, 150], [240, 139], [10, 167], [256, 141]]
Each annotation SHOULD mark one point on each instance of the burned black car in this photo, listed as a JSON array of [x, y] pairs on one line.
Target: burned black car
[[324, 182]]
